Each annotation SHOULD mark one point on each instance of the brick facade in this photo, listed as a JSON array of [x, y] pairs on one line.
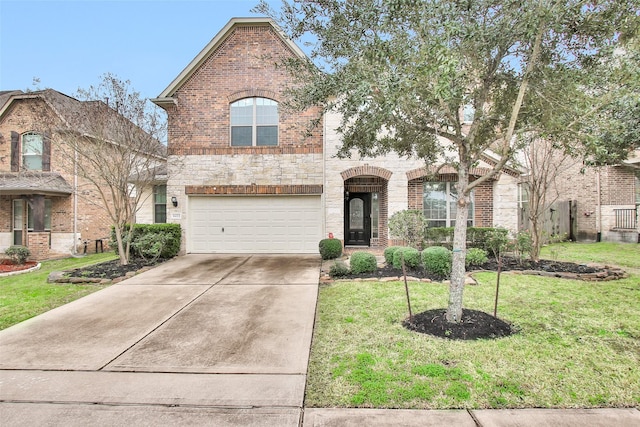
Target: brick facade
[[239, 63]]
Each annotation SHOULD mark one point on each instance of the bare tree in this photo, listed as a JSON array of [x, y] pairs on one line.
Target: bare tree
[[545, 163], [115, 141]]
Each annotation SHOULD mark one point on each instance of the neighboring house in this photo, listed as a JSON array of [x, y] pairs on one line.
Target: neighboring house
[[245, 179], [43, 204], [605, 200]]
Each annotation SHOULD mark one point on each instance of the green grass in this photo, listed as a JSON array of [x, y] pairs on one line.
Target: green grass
[[26, 295], [578, 343]]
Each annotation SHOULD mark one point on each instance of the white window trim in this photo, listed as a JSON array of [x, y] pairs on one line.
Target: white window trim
[[254, 125]]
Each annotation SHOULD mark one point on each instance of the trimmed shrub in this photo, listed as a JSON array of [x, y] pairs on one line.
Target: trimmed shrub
[[363, 262], [477, 237], [438, 236], [330, 248], [152, 240], [409, 226], [339, 269], [475, 257], [437, 260], [18, 254], [411, 257], [388, 254], [150, 245]]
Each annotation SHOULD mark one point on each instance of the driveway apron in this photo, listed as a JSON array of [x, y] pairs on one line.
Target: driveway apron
[[201, 339]]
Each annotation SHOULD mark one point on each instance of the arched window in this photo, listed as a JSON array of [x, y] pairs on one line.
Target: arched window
[[254, 122]]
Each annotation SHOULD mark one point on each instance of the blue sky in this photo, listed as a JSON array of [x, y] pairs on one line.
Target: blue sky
[[71, 44]]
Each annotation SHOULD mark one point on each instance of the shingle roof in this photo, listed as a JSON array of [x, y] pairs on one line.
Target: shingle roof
[[79, 116], [46, 183]]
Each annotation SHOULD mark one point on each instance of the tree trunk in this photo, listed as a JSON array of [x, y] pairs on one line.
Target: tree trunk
[[456, 288], [121, 251]]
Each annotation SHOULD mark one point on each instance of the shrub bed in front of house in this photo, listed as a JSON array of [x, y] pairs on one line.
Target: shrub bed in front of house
[[152, 241]]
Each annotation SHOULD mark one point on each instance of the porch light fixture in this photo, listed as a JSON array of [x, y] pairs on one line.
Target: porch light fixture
[[174, 201]]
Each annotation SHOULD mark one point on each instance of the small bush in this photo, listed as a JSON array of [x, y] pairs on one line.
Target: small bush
[[150, 245], [523, 245], [339, 269], [363, 262], [437, 260], [18, 254], [330, 248], [475, 257], [166, 235], [408, 225], [411, 257], [497, 241], [388, 254]]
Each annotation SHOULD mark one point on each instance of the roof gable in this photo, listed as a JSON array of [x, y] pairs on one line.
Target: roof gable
[[166, 96]]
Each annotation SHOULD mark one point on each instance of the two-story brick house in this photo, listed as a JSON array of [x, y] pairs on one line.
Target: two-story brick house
[[44, 205], [245, 179]]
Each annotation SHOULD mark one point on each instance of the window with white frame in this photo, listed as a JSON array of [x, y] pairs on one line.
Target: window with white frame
[[440, 201], [254, 122], [32, 151], [159, 204]]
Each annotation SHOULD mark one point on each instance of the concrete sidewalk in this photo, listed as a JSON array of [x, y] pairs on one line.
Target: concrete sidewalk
[[218, 340]]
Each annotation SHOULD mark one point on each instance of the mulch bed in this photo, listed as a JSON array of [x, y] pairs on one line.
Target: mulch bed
[[509, 264], [7, 266], [474, 325], [112, 269]]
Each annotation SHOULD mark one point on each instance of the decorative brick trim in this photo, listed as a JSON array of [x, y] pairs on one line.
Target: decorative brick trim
[[255, 190], [366, 170], [252, 92], [225, 151], [446, 170]]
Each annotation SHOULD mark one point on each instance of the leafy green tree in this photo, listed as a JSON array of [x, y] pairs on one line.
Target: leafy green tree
[[448, 80]]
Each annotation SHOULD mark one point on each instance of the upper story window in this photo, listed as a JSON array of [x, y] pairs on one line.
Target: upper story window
[[440, 204], [254, 122], [30, 151]]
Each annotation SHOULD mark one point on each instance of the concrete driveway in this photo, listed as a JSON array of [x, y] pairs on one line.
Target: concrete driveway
[[202, 339]]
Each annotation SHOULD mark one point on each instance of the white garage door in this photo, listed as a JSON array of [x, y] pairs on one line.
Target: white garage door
[[263, 224]]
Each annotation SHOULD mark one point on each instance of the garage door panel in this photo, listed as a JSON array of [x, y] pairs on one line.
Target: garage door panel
[[267, 224]]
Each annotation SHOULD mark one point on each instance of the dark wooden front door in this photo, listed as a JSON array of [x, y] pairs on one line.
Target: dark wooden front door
[[357, 219]]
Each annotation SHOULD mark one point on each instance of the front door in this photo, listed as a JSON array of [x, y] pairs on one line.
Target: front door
[[357, 221]]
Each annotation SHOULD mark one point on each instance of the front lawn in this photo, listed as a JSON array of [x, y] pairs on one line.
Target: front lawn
[[26, 295], [578, 343]]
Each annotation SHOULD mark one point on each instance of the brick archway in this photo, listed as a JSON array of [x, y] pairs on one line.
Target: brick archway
[[366, 170], [373, 182]]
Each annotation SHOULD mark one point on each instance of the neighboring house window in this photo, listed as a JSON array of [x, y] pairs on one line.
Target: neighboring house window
[[439, 200], [254, 122], [159, 204], [30, 151], [637, 188], [19, 226]]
